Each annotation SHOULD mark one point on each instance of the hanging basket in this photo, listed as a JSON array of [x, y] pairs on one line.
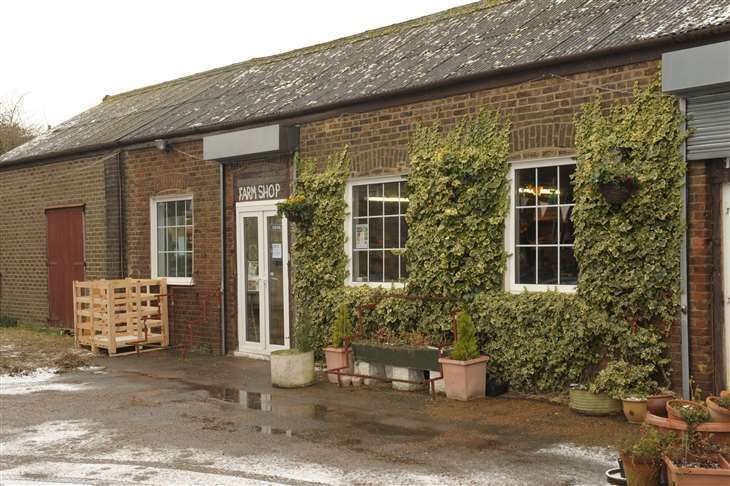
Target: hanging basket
[[618, 191], [297, 210]]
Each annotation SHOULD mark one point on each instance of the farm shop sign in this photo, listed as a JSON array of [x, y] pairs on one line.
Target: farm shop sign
[[248, 190]]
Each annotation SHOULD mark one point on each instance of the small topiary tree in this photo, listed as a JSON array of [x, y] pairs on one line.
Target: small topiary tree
[[466, 346], [342, 327]]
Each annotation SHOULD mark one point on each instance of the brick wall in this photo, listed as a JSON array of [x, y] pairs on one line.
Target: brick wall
[[25, 193], [148, 173], [541, 111]]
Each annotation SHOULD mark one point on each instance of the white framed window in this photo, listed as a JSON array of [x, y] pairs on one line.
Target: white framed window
[[171, 238], [376, 230], [539, 232]]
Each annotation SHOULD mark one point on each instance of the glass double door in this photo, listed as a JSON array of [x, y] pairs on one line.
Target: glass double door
[[263, 290]]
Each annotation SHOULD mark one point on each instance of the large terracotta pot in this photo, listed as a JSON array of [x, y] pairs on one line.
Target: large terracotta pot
[[717, 413], [640, 473], [634, 409], [657, 404], [695, 476], [465, 380], [587, 403], [338, 358], [291, 368], [717, 432], [725, 394]]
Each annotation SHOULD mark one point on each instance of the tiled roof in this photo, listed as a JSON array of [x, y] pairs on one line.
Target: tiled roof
[[479, 38]]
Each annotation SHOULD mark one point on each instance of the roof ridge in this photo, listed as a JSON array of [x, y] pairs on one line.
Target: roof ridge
[[350, 39]]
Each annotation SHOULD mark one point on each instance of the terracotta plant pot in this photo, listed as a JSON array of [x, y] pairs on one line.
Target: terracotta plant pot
[[717, 413], [465, 380], [697, 476], [634, 409], [657, 404], [641, 473], [291, 368], [717, 432], [725, 394], [338, 358], [674, 405], [587, 403]]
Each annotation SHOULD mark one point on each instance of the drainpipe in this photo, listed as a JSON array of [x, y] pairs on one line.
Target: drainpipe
[[684, 272], [223, 259], [120, 216]]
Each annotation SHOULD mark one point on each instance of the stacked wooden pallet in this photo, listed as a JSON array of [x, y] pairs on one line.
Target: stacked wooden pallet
[[121, 316]]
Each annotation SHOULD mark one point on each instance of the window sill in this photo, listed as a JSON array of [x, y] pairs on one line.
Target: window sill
[[566, 289], [376, 285], [179, 282]]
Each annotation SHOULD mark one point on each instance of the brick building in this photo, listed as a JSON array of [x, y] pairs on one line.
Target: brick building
[[181, 179]]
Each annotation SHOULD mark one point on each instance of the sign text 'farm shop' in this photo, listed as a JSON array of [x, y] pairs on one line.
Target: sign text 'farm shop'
[[259, 192]]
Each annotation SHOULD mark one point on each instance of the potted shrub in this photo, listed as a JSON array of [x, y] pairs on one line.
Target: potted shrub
[[338, 355], [294, 368], [641, 456], [688, 412], [656, 403], [465, 371], [719, 408], [587, 400], [695, 460], [629, 383]]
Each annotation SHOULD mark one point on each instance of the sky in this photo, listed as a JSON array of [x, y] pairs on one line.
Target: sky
[[62, 57]]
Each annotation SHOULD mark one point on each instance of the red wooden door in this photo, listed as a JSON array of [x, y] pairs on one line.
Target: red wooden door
[[65, 262]]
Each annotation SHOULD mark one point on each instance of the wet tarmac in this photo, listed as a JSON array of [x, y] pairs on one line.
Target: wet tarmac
[[210, 420]]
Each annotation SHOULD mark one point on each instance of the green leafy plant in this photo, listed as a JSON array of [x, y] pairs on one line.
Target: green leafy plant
[[648, 445], [620, 379], [458, 190], [465, 347], [693, 416], [297, 209], [7, 321], [723, 402], [342, 326], [303, 338]]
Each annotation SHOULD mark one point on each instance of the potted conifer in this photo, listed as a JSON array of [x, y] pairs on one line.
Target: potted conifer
[[294, 368], [338, 355], [465, 371]]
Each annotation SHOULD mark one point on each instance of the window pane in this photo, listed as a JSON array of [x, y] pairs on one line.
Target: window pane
[[170, 209], [171, 265], [189, 238], [391, 267], [180, 219], [547, 225], [182, 239], [359, 201], [526, 229], [566, 224], [391, 232], [403, 198], [189, 264], [403, 232], [547, 265], [525, 262], [566, 186], [188, 212], [171, 239], [376, 232], [391, 198], [360, 231], [360, 266], [160, 215], [375, 265], [375, 197], [181, 270], [568, 266], [161, 240], [403, 268], [547, 182], [525, 187], [161, 265]]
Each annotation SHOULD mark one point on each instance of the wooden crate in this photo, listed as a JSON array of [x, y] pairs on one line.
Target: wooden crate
[[121, 316]]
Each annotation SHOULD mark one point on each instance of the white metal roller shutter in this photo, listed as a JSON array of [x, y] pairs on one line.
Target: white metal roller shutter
[[709, 118]]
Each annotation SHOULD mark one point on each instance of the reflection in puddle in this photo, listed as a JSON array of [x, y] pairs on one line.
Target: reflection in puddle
[[251, 400], [269, 430]]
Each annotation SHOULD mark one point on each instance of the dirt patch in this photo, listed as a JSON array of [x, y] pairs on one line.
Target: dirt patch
[[533, 419], [27, 348]]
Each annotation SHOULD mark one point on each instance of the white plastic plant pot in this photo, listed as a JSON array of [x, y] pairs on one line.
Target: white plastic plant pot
[[292, 369]]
